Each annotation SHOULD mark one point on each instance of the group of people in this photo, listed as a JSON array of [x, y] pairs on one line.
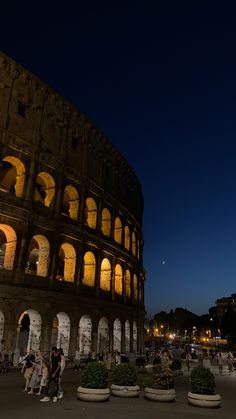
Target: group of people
[[108, 359], [44, 377], [213, 358]]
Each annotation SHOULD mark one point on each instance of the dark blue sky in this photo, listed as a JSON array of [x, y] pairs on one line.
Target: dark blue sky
[[160, 80]]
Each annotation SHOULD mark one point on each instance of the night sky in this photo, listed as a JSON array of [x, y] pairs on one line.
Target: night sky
[[159, 79]]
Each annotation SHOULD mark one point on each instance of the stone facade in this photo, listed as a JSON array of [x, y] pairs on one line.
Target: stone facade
[[71, 242]]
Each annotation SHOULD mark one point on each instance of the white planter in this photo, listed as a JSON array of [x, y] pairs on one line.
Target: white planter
[[93, 394], [159, 395], [204, 400], [125, 391]]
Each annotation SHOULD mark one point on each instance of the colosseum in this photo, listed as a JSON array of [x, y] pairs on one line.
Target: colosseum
[[71, 241]]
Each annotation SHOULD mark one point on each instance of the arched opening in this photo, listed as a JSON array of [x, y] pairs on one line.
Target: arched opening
[[29, 331], [127, 336], [45, 189], [135, 335], [117, 335], [12, 176], [106, 222], [61, 332], [70, 202], [103, 335], [7, 247], [135, 287], [66, 263], [89, 269], [105, 275], [90, 216], [2, 321], [127, 238], [37, 259], [127, 283], [134, 243], [118, 230], [118, 279], [85, 334]]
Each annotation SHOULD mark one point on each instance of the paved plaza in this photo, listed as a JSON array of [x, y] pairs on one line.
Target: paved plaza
[[16, 404]]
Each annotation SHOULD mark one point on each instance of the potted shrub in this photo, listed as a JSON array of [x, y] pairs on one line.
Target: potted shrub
[[94, 383], [203, 388], [162, 386], [125, 381]]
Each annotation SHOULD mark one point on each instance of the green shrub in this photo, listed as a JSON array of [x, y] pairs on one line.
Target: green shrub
[[162, 378], [176, 365], [94, 375], [202, 381], [140, 362], [124, 375]]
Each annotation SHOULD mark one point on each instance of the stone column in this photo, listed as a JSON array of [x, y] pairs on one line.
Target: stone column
[[73, 339]]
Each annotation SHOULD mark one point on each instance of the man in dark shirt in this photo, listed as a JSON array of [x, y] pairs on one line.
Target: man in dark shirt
[[55, 367]]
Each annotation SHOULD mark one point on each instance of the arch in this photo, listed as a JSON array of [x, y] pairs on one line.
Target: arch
[[117, 335], [135, 337], [29, 331], [70, 202], [89, 269], [105, 275], [37, 260], [127, 238], [127, 336], [85, 334], [118, 279], [90, 218], [45, 189], [103, 335], [134, 248], [118, 230], [66, 263], [61, 332], [135, 287], [127, 283], [7, 247], [2, 322], [12, 176], [106, 222]]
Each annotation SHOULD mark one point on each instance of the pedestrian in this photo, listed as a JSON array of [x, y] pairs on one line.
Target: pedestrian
[[37, 367], [77, 360], [188, 359], [206, 363], [44, 378], [220, 362], [230, 364], [55, 368], [27, 368], [63, 364]]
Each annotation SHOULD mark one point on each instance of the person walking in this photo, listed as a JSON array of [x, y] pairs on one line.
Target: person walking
[[220, 362], [63, 364], [27, 368], [55, 368], [44, 378], [37, 368], [230, 364], [188, 359]]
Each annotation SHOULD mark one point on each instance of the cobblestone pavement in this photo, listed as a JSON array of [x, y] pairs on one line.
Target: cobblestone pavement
[[15, 404]]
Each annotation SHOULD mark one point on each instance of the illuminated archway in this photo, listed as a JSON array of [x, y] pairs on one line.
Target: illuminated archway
[[127, 283], [127, 238], [12, 176], [127, 336], [70, 202], [29, 331], [37, 260], [135, 287], [134, 243], [117, 335], [66, 263], [90, 218], [118, 230], [103, 335], [7, 247], [61, 332], [2, 321], [135, 336], [118, 279], [106, 222], [45, 189], [105, 275], [89, 269], [85, 334]]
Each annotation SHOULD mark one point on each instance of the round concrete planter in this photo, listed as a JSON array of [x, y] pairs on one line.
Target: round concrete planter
[[125, 391], [159, 395], [204, 400], [93, 394]]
